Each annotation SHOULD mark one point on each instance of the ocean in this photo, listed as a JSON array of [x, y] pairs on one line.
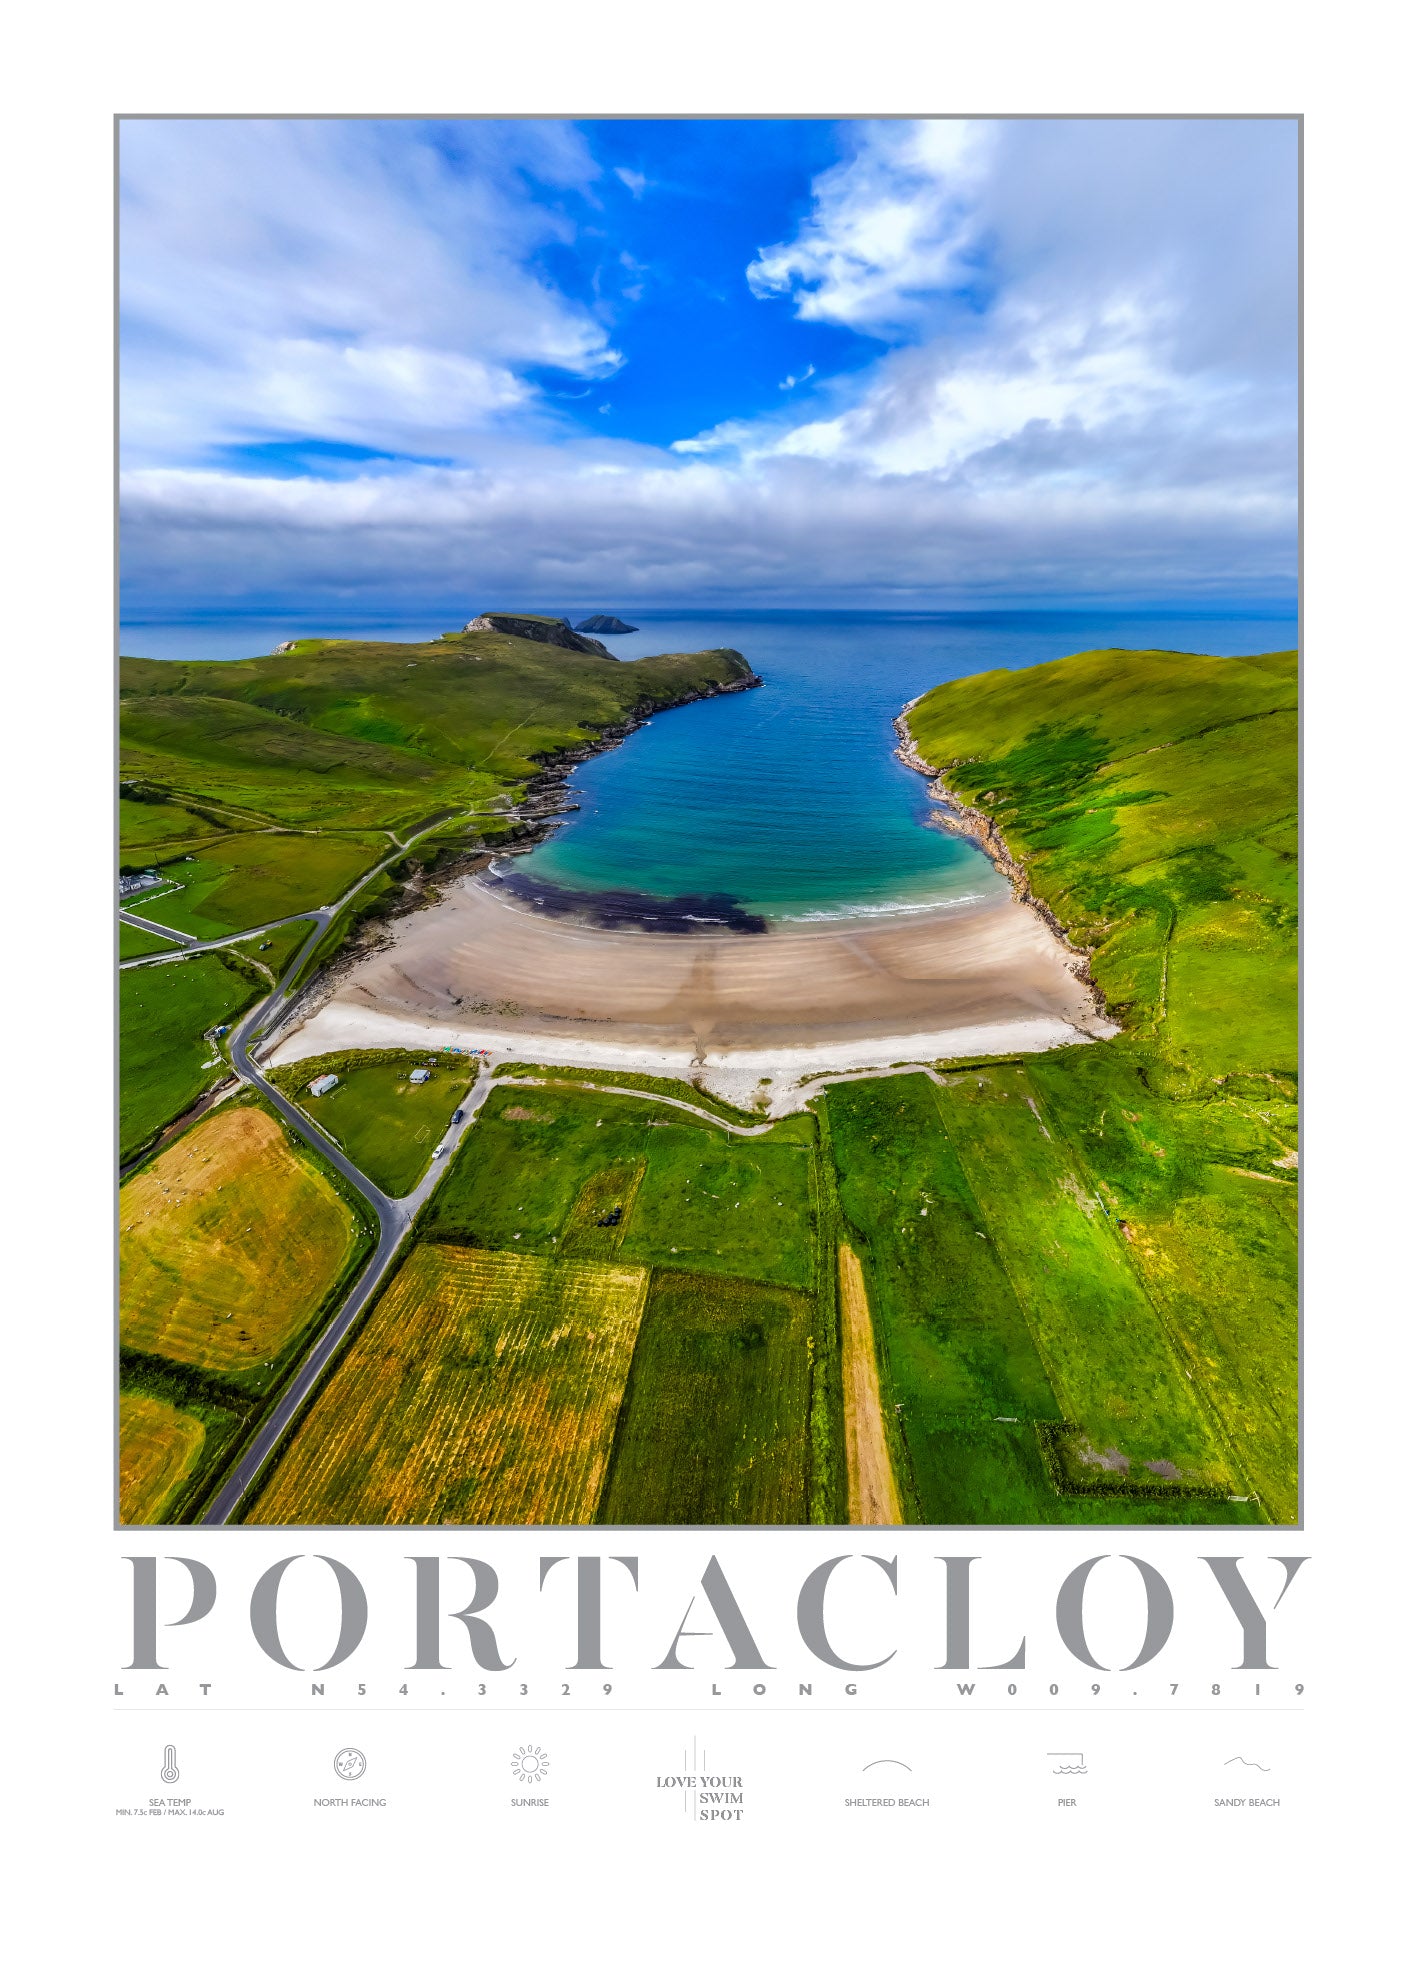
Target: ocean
[[788, 799]]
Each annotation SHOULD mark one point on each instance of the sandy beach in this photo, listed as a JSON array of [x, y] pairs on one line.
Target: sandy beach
[[477, 969]]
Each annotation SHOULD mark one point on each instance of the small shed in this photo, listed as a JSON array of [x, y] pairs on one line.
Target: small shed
[[419, 1074], [324, 1084]]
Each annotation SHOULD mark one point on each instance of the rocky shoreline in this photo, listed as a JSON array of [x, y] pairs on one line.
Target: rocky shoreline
[[548, 789], [962, 818]]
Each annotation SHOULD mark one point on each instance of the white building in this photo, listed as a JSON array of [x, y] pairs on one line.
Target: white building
[[324, 1084], [129, 885], [420, 1074]]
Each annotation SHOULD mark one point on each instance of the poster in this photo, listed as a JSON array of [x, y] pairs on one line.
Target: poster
[[707, 1072]]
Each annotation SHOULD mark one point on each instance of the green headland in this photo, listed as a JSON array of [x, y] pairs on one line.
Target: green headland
[[1150, 801]]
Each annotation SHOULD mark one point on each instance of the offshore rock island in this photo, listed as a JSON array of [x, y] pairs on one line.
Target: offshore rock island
[[537, 627]]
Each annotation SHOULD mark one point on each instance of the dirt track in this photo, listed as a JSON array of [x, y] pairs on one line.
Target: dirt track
[[871, 1491]]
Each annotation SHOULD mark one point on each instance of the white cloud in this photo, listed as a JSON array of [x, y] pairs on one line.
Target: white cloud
[[737, 436], [892, 227], [796, 379], [1076, 300], [349, 281], [636, 181]]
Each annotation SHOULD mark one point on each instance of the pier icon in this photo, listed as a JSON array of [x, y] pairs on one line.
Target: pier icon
[[1070, 1763]]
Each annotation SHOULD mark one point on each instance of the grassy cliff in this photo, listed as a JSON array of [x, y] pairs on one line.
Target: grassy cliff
[[346, 734], [1153, 799]]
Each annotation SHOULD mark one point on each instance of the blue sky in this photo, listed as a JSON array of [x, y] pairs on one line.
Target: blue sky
[[402, 364]]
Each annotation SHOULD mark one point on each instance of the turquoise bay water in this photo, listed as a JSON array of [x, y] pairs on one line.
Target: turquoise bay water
[[787, 798]]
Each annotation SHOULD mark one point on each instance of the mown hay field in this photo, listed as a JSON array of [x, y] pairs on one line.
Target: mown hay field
[[158, 1447], [483, 1389], [229, 1242], [714, 1428]]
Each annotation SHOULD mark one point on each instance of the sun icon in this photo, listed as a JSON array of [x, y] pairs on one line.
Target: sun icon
[[530, 1764]]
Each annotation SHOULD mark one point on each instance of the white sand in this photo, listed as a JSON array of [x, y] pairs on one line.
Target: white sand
[[731, 1010]]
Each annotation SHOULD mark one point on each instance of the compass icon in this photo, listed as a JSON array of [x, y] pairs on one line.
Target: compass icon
[[350, 1764], [530, 1764]]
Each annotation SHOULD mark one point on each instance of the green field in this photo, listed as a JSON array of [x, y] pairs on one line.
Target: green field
[[153, 831], [248, 879], [133, 943], [704, 1200], [1153, 800], [714, 1427], [664, 1085], [163, 1012], [276, 949], [953, 1345], [386, 1124]]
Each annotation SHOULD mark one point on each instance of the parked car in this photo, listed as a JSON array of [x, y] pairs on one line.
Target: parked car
[[440, 1151], [457, 1115]]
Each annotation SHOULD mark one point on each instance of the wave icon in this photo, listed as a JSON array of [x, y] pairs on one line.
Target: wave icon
[[1070, 1763]]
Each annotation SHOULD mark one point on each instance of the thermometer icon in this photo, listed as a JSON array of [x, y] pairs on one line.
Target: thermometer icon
[[170, 1772]]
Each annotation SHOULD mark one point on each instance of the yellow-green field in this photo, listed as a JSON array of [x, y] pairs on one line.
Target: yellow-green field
[[484, 1388], [157, 1450], [229, 1242]]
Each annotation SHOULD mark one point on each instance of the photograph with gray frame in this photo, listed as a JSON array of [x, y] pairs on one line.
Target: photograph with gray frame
[[708, 821]]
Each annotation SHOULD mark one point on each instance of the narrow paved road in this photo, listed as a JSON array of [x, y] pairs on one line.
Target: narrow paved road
[[395, 1216], [391, 1230], [156, 930], [190, 943]]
